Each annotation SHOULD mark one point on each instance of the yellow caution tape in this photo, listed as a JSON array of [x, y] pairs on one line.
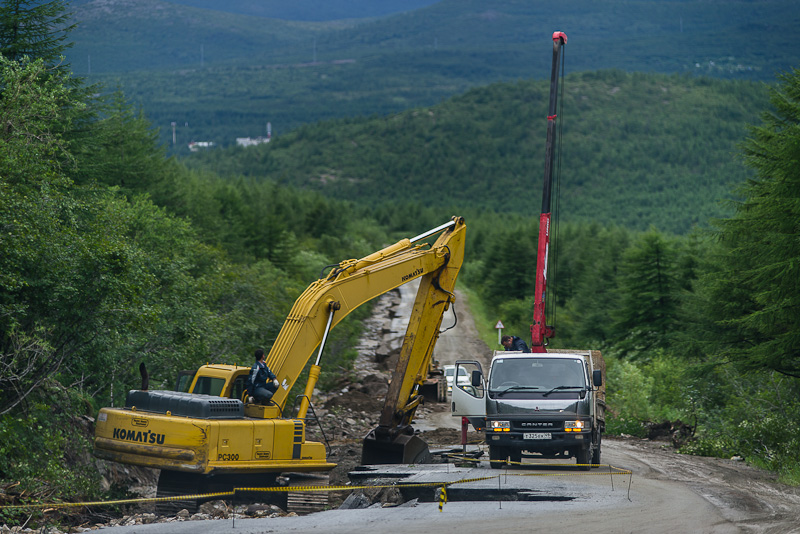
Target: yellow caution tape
[[273, 489], [138, 500]]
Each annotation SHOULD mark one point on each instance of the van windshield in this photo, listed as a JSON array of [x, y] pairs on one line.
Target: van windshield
[[537, 374]]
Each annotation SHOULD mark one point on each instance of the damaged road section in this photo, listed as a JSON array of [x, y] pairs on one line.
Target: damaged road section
[[425, 482]]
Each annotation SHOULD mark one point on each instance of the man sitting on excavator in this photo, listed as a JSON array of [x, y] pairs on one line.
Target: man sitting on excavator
[[262, 382]]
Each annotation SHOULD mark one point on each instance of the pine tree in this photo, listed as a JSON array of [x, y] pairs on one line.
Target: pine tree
[[756, 292], [648, 311], [34, 29]]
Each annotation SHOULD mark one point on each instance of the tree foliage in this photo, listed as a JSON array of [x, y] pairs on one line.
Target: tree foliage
[[36, 30], [648, 310], [36, 218], [754, 294], [664, 160]]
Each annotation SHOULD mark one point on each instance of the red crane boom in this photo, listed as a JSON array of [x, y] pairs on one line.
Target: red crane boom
[[539, 329]]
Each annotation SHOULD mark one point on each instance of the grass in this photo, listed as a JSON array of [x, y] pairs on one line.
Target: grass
[[483, 322]]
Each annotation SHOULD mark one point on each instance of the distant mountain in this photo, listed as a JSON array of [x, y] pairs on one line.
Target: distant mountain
[[736, 38], [314, 10], [118, 36], [638, 150], [221, 75]]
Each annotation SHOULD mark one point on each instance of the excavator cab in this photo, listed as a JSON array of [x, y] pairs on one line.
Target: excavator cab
[[184, 380]]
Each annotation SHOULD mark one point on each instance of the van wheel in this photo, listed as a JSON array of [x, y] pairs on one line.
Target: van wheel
[[497, 456]]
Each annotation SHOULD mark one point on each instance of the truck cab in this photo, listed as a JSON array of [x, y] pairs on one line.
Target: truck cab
[[547, 405]]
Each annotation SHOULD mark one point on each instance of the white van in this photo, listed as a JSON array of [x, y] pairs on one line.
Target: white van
[[449, 373]]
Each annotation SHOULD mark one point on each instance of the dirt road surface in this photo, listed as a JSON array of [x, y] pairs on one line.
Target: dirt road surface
[[666, 492]]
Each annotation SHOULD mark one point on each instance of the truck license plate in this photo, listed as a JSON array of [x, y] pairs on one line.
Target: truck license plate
[[537, 435]]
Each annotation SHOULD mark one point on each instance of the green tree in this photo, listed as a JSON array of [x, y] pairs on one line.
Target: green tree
[[34, 108], [510, 272], [36, 219], [589, 260], [648, 311], [115, 146], [80, 285], [37, 30], [756, 287]]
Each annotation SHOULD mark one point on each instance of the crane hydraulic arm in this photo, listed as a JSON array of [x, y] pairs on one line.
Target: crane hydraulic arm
[[540, 331]]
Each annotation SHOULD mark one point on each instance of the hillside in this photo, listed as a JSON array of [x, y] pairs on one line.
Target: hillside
[[221, 75], [638, 150], [311, 9]]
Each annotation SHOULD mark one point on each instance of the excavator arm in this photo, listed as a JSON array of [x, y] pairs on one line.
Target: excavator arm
[[352, 283], [393, 440]]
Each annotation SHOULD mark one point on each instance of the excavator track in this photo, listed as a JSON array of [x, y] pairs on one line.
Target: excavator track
[[302, 501], [176, 484]]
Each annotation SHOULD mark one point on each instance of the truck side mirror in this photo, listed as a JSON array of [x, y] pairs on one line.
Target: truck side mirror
[[476, 378], [597, 378]]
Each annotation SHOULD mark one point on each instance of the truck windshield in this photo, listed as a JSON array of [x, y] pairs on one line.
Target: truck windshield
[[537, 374]]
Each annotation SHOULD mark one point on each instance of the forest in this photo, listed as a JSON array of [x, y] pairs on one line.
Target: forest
[[113, 253], [644, 150], [219, 75]]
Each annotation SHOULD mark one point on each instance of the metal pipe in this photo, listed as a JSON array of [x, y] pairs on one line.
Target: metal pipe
[[314, 372], [333, 306], [429, 233]]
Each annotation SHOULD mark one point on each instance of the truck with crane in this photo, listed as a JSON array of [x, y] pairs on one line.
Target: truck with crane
[[211, 437], [547, 403]]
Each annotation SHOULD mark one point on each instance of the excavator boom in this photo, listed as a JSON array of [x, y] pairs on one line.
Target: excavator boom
[[352, 283]]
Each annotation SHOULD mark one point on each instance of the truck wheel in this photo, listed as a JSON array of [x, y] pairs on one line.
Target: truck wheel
[[516, 456], [497, 456], [596, 452], [583, 458]]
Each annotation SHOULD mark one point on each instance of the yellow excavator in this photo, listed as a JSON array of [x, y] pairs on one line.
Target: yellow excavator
[[210, 438]]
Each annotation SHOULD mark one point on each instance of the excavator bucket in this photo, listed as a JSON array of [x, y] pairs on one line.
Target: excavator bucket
[[402, 449]]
